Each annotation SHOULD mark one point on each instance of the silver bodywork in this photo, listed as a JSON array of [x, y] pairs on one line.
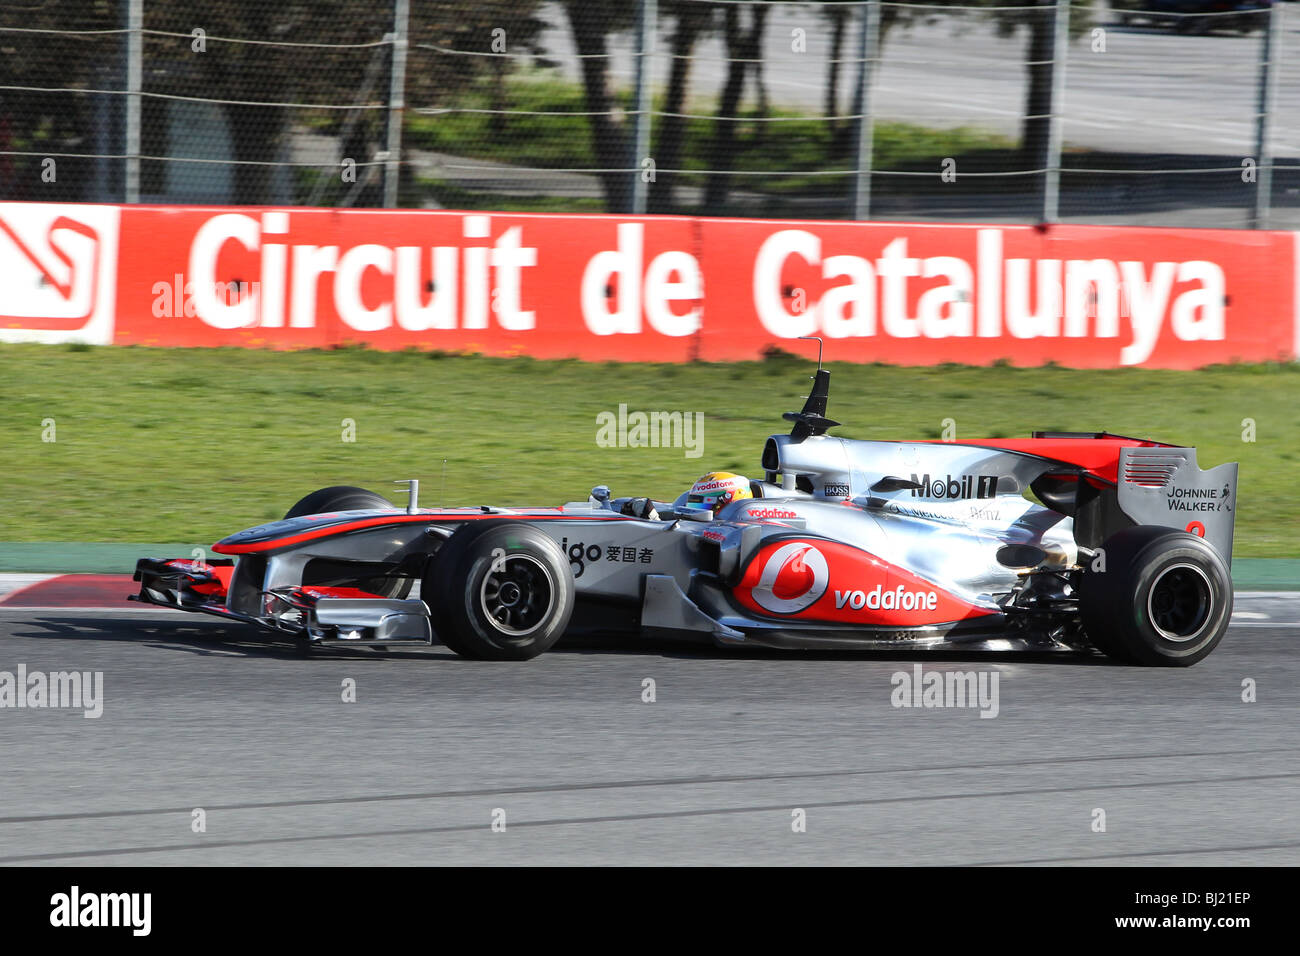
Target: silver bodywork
[[956, 517]]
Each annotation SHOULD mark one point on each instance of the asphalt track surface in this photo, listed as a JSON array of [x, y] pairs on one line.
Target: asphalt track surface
[[201, 714]]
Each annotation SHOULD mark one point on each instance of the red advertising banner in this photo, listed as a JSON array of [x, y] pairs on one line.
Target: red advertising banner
[[547, 286], [645, 288], [1082, 296]]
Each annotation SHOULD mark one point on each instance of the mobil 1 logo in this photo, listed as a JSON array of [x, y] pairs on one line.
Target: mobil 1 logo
[[948, 487]]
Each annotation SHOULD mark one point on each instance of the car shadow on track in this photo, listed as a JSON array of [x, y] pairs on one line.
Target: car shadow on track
[[219, 638], [206, 638], [664, 647]]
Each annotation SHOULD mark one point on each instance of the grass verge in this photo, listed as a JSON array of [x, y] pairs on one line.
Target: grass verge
[[189, 445]]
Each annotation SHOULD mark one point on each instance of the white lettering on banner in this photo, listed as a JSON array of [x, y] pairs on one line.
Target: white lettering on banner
[[1044, 321], [895, 267], [768, 295], [1207, 301], [991, 299], [661, 289], [476, 300], [858, 294], [510, 257], [616, 274], [1146, 307], [1092, 287], [988, 266], [484, 280], [347, 287], [309, 264], [204, 250], [440, 312], [273, 270], [955, 296], [625, 291], [598, 282]]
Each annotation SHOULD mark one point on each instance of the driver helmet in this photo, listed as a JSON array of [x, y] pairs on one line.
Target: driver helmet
[[716, 490]]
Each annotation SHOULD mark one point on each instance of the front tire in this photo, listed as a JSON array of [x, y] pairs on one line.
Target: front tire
[[350, 498], [337, 498], [499, 591], [1164, 598]]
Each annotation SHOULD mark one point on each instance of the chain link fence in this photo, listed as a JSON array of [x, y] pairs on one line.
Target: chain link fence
[[1172, 112]]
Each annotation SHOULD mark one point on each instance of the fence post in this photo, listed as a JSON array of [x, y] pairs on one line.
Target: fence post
[[1271, 49], [1060, 49], [645, 39], [868, 48], [134, 77], [396, 102]]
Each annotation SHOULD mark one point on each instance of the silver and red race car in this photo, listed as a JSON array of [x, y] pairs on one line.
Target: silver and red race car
[[1063, 541]]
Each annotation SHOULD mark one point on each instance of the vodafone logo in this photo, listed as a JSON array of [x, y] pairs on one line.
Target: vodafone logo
[[771, 513], [899, 599], [794, 577]]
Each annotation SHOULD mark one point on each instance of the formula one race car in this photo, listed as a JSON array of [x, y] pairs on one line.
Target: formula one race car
[[1124, 548]]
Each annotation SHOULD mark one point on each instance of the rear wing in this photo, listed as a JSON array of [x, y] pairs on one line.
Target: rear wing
[[1165, 486]]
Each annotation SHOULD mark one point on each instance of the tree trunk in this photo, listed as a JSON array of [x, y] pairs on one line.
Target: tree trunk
[[256, 134], [609, 139], [1036, 129], [671, 138], [497, 120], [754, 53], [724, 131], [839, 17]]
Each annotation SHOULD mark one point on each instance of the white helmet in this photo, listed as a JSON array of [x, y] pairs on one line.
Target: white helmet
[[716, 490]]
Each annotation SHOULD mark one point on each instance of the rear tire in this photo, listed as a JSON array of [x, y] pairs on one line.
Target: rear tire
[[499, 590], [1164, 598], [349, 498]]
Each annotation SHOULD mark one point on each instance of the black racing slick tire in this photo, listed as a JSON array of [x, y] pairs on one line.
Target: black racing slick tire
[[338, 498], [1158, 597], [499, 590], [349, 498]]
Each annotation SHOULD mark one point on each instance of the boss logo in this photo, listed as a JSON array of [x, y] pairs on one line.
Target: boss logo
[[833, 490]]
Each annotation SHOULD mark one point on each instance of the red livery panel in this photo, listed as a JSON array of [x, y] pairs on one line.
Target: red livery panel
[[815, 579]]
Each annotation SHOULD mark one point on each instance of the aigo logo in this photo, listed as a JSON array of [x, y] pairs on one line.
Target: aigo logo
[[793, 579]]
